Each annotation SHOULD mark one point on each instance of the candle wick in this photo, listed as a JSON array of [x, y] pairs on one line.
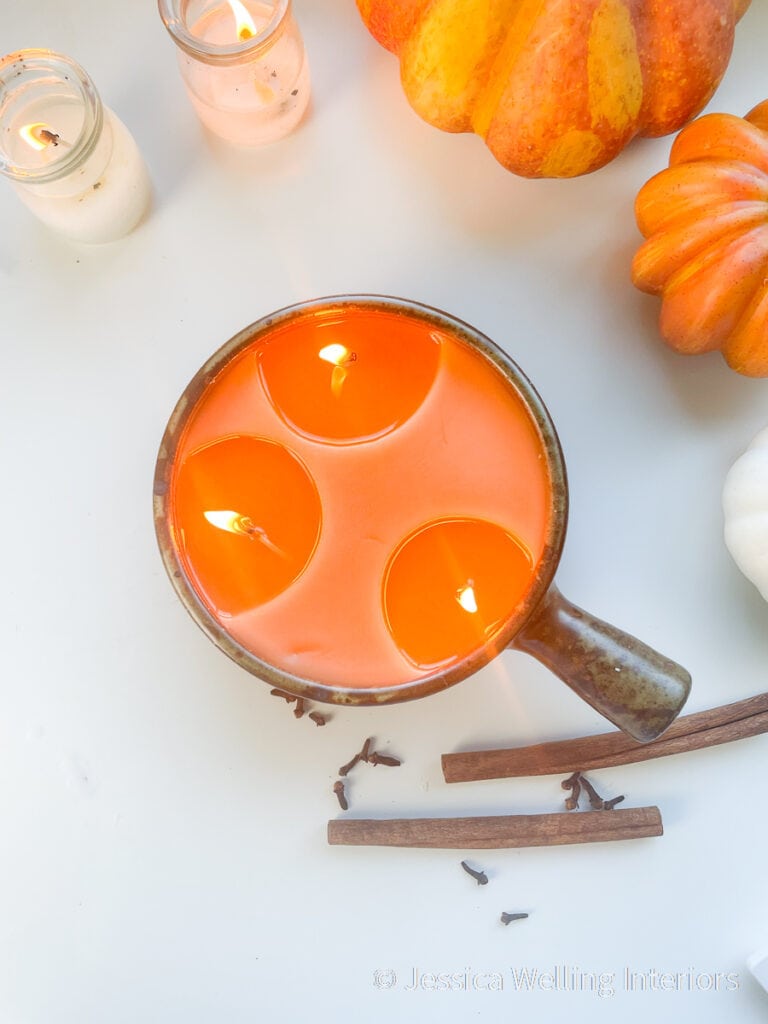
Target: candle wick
[[259, 533], [52, 138], [40, 136]]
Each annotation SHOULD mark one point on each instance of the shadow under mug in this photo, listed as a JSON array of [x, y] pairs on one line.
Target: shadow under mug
[[635, 687]]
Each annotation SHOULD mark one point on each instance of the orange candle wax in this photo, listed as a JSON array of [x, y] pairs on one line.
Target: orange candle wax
[[360, 499]]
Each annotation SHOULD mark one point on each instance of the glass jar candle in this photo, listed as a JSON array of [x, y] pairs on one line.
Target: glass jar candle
[[243, 64], [70, 159]]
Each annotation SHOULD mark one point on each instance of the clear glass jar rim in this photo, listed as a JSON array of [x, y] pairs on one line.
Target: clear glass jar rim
[[171, 11], [63, 66]]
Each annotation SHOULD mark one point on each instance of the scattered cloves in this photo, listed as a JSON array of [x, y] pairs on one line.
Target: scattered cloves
[[506, 918], [338, 789], [369, 757], [479, 876], [575, 783], [301, 707]]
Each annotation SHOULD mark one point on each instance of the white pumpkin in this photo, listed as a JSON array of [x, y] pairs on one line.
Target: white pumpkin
[[745, 504]]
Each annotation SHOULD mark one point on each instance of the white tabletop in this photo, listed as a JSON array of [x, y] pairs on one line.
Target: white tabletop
[[162, 817]]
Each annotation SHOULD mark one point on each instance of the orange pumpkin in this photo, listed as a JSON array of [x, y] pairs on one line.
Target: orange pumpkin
[[557, 87], [706, 221]]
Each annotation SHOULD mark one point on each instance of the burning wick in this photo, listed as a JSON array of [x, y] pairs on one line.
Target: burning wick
[[233, 522], [340, 357], [39, 136], [466, 597], [246, 27]]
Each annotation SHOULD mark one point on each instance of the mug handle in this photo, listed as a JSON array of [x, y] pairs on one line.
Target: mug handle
[[629, 683]]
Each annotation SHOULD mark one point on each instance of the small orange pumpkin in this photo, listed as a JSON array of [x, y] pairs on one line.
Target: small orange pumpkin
[[705, 218], [557, 87]]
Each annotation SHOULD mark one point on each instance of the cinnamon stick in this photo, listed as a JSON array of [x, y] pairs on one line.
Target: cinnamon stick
[[691, 732], [497, 832]]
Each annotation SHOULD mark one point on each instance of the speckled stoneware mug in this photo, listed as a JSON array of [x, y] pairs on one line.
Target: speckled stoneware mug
[[632, 685]]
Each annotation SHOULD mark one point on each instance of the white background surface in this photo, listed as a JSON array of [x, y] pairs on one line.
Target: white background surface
[[162, 817]]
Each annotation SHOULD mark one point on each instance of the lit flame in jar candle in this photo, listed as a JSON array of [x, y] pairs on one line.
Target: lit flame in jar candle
[[234, 522], [340, 357], [38, 135], [466, 597], [246, 26]]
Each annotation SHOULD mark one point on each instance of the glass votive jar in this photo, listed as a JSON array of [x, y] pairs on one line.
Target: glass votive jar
[[69, 158], [243, 64]]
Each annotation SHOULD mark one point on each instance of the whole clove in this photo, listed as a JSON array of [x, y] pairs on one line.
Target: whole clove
[[596, 802], [347, 768], [317, 718], [300, 708], [361, 755], [338, 789], [573, 783], [506, 918], [479, 876], [572, 802], [287, 697], [377, 758]]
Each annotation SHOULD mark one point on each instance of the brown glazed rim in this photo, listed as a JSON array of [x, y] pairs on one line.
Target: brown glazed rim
[[308, 688]]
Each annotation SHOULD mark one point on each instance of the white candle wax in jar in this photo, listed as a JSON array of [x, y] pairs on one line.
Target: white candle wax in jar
[[70, 159], [243, 64]]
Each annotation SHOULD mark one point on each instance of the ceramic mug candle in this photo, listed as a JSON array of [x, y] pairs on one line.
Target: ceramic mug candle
[[363, 500], [243, 65], [70, 159]]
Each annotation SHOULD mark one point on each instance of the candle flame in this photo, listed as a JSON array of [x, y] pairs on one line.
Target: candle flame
[[246, 26], [235, 522], [38, 135], [336, 354], [466, 598], [340, 357]]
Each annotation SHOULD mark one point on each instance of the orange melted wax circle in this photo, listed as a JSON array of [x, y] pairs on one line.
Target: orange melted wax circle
[[341, 384], [451, 587], [240, 538], [380, 499]]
